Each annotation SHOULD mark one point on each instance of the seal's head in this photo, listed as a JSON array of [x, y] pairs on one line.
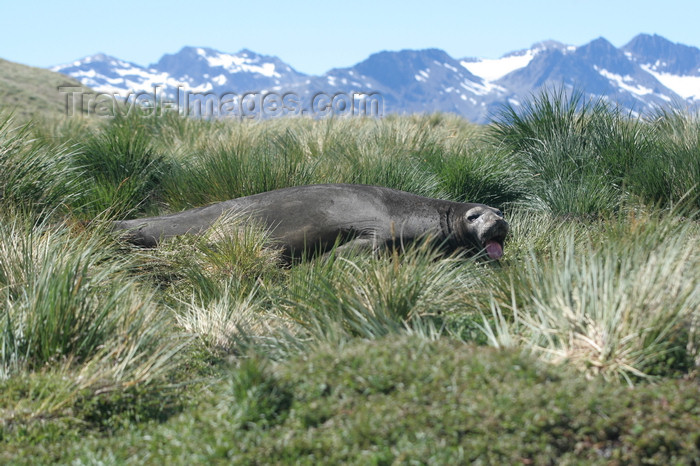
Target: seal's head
[[483, 228]]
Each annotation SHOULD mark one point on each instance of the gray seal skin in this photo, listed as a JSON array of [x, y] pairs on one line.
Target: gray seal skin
[[304, 220]]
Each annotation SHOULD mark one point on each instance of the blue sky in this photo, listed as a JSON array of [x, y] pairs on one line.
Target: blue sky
[[315, 36]]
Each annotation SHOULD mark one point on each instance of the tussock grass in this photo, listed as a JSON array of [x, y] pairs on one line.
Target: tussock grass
[[407, 154], [69, 310], [219, 321], [235, 247], [586, 158], [673, 171], [623, 304], [101, 343], [235, 166], [215, 284], [360, 296], [34, 176], [122, 168]]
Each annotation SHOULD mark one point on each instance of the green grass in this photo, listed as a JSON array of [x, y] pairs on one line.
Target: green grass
[[35, 176], [75, 327], [585, 158], [212, 349], [620, 305], [122, 170]]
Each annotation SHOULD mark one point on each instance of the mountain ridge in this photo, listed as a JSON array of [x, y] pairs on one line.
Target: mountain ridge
[[647, 72]]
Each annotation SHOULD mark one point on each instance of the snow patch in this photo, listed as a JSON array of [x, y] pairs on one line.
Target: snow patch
[[220, 80], [687, 87], [494, 69], [107, 89], [449, 67], [480, 89], [84, 74], [624, 82], [201, 88], [422, 75], [236, 63]]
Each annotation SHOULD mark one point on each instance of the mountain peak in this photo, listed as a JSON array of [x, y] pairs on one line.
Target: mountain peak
[[410, 54], [99, 57], [99, 60], [600, 45], [535, 48], [549, 44], [641, 41], [661, 55], [248, 53], [408, 66]]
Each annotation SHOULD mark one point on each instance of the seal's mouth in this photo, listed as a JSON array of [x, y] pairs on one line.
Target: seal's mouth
[[494, 248]]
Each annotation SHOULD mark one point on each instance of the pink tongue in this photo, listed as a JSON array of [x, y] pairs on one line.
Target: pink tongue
[[494, 250]]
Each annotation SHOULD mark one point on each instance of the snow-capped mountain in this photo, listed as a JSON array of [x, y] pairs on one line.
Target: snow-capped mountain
[[207, 69], [410, 81], [676, 66], [597, 68], [193, 69], [104, 73], [648, 72]]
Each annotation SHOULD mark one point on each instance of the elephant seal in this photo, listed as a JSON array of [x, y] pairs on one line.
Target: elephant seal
[[305, 220]]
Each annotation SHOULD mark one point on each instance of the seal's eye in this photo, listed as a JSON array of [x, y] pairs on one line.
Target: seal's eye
[[473, 217], [499, 213]]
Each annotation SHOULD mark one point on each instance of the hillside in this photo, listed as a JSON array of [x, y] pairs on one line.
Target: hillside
[[32, 92]]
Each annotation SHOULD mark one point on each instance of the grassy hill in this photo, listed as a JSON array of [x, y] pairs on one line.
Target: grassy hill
[[33, 92]]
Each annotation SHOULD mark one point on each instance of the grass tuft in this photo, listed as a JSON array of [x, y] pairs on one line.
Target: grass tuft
[[624, 308], [358, 296], [122, 168], [34, 177], [69, 308]]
